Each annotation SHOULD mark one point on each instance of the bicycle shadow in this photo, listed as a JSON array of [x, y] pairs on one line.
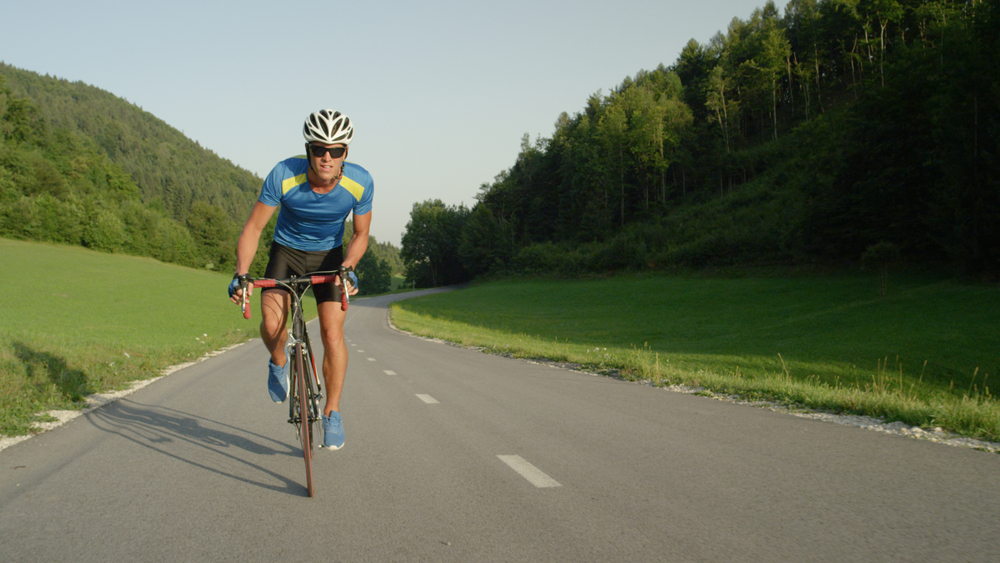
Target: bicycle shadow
[[204, 443]]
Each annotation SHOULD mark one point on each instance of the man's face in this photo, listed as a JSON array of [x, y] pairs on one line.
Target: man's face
[[326, 166]]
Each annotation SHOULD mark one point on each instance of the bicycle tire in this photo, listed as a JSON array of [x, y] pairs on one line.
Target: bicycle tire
[[314, 393], [305, 422], [316, 386]]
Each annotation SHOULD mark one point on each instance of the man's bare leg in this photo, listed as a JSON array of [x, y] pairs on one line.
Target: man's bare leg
[[331, 322], [274, 316]]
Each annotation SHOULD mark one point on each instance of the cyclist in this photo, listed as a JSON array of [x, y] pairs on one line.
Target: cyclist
[[317, 192]]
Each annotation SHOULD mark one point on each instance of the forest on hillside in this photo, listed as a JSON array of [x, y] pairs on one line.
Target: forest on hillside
[[170, 169], [58, 185], [81, 166], [838, 132]]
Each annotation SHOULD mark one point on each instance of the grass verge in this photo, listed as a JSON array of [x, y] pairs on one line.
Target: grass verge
[[75, 322], [926, 354]]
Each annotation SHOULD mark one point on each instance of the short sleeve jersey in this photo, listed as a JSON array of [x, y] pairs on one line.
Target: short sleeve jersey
[[308, 220]]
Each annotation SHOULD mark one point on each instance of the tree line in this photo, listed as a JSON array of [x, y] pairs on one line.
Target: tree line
[[818, 135], [81, 166]]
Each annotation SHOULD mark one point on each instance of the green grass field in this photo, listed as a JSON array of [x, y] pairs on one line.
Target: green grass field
[[926, 354], [75, 322]]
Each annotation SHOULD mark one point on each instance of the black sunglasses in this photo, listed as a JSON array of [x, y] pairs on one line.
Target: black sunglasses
[[318, 152]]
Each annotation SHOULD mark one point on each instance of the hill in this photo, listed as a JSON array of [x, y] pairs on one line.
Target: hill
[[167, 167], [81, 166]]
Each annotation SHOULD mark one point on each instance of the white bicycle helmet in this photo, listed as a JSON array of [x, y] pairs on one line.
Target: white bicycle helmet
[[328, 127]]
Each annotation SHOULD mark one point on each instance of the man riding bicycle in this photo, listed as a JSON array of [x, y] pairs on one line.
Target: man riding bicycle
[[317, 192]]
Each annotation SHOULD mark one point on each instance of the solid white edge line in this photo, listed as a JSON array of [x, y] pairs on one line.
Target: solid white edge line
[[528, 471]]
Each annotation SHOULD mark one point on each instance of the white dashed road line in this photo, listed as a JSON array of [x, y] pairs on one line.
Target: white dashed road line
[[534, 475], [528, 471]]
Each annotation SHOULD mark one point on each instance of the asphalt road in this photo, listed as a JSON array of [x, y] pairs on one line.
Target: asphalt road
[[455, 455]]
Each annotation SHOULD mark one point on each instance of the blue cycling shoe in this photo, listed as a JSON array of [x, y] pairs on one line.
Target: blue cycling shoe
[[277, 382], [333, 431]]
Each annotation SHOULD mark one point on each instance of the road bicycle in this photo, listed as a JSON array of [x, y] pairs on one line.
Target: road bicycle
[[304, 386]]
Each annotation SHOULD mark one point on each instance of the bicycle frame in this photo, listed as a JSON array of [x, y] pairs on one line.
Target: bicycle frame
[[298, 343]]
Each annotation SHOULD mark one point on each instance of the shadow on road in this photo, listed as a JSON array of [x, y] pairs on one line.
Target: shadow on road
[[207, 444]]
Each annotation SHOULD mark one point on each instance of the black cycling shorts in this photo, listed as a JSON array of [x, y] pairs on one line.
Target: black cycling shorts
[[285, 262]]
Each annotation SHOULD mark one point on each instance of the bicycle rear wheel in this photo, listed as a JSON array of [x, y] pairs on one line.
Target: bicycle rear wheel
[[304, 418]]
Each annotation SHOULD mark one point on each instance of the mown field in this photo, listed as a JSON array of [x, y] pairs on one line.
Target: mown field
[[75, 322], [927, 353]]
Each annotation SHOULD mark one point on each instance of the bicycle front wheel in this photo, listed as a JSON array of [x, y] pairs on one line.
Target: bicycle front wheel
[[305, 425], [315, 393]]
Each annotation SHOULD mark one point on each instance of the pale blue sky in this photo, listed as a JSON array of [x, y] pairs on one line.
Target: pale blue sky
[[440, 92]]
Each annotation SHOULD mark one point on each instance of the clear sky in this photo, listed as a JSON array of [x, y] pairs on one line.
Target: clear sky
[[440, 91]]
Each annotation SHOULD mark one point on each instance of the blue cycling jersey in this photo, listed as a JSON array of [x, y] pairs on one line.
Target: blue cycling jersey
[[308, 220]]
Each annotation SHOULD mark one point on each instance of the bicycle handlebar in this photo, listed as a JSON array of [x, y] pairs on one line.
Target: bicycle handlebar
[[312, 279], [262, 282]]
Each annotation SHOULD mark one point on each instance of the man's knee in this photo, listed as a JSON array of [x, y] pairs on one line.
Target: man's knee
[[332, 335], [331, 322], [273, 315], [271, 328]]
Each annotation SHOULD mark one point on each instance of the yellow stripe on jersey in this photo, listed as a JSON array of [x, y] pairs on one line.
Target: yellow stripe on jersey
[[290, 183], [355, 188]]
